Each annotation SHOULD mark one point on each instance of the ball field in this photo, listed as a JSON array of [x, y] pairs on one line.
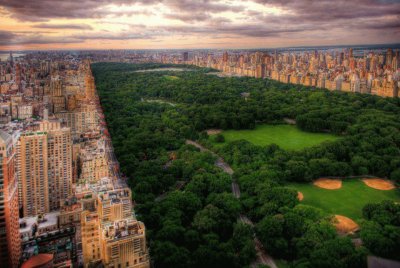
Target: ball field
[[348, 200], [287, 137]]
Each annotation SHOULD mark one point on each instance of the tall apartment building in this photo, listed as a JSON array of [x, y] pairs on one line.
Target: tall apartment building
[[90, 228], [81, 120], [56, 87], [44, 167], [89, 86], [10, 241], [59, 147], [33, 173], [94, 167]]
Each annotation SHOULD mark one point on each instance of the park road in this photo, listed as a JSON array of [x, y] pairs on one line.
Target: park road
[[262, 256]]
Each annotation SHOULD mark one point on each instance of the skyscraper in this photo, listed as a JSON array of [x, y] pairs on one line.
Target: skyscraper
[[10, 241], [89, 85], [18, 76], [185, 56], [33, 173], [59, 145], [225, 57], [389, 57]]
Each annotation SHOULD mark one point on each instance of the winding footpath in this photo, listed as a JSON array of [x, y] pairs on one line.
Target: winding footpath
[[263, 257]]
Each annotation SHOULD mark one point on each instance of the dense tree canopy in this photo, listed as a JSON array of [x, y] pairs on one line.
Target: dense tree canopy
[[149, 118]]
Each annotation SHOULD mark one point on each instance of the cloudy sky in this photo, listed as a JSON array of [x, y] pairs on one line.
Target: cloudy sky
[[119, 24]]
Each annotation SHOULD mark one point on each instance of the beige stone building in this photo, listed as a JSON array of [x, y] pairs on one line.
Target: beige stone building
[[32, 162], [94, 167], [385, 88], [81, 120], [59, 144], [111, 233]]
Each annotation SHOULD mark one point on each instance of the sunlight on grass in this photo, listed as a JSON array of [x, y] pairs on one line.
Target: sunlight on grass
[[348, 200], [286, 136]]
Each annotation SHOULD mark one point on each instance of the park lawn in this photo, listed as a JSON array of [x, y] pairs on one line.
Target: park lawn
[[171, 77], [287, 137], [347, 201]]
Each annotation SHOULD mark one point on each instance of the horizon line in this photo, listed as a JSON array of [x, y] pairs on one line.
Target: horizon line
[[155, 49]]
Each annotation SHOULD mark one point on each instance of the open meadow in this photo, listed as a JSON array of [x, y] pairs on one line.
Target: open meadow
[[287, 137]]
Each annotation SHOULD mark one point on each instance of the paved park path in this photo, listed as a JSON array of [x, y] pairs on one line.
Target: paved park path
[[263, 257]]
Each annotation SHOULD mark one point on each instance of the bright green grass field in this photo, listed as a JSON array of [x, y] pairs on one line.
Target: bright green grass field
[[348, 200], [287, 137], [171, 77]]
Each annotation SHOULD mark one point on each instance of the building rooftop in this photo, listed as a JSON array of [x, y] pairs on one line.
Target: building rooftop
[[39, 260], [5, 137], [48, 220]]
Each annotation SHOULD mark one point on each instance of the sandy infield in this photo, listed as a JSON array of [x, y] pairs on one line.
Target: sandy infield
[[300, 196], [344, 224], [213, 131], [330, 184], [379, 184]]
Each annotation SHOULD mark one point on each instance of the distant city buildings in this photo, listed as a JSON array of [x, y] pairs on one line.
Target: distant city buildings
[[63, 202], [372, 73], [367, 70]]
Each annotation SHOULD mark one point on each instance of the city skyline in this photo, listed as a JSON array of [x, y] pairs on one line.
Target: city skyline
[[186, 24]]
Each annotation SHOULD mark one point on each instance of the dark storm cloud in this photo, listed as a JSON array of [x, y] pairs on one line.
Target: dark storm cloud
[[63, 26]]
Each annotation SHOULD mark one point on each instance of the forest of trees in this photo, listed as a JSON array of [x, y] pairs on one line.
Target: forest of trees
[[197, 225]]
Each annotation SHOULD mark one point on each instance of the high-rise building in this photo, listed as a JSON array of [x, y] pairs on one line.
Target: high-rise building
[[94, 166], [18, 76], [185, 56], [11, 59], [395, 63], [33, 173], [80, 120], [10, 241], [225, 57], [59, 145], [260, 71], [89, 86], [389, 57], [56, 87], [90, 228]]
